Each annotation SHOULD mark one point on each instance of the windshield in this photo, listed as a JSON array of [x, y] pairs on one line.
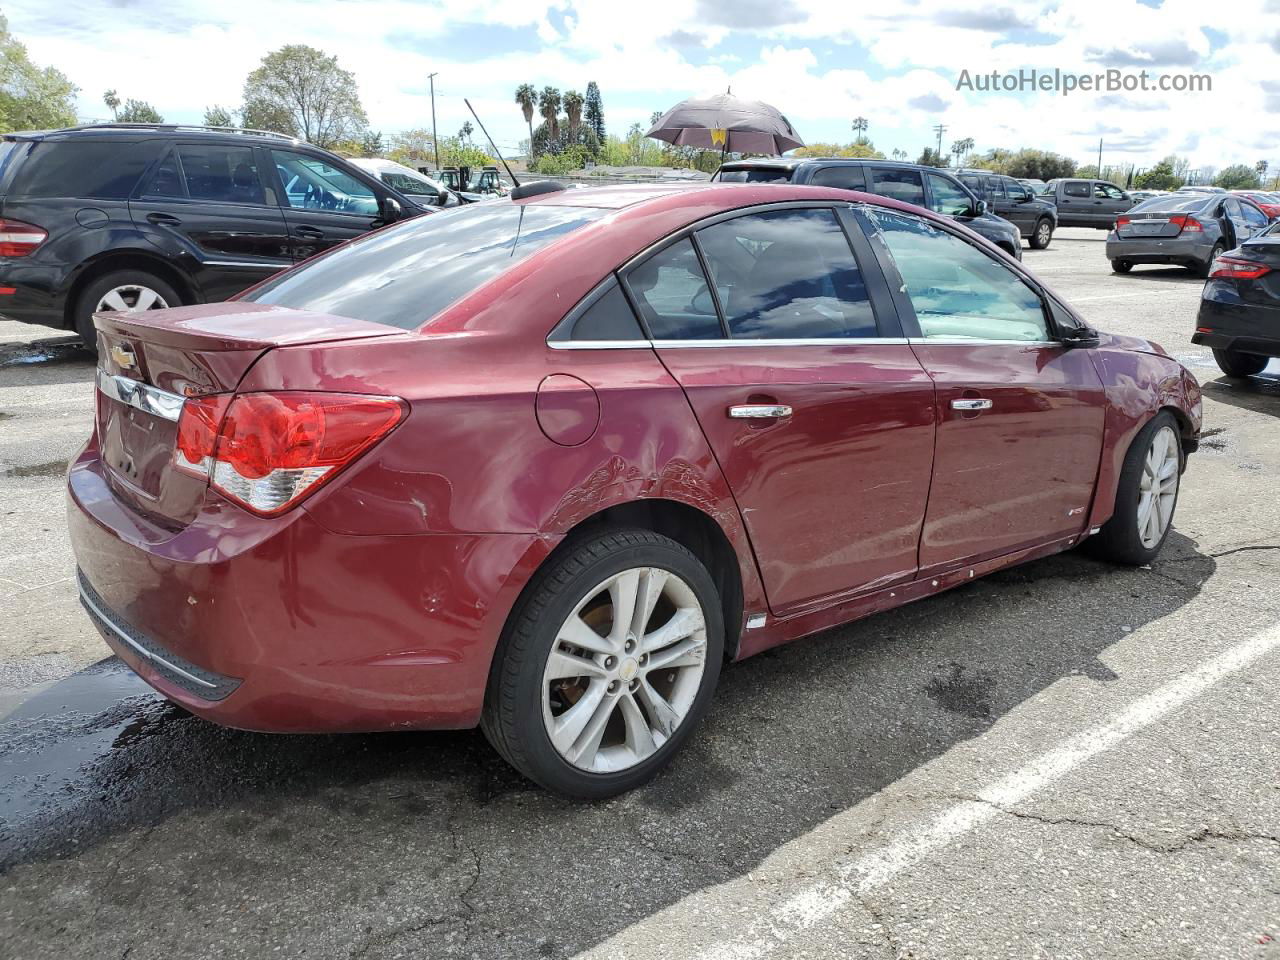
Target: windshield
[[408, 185], [1185, 203], [753, 175], [404, 275]]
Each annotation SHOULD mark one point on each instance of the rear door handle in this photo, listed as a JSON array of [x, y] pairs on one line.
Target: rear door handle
[[164, 219], [759, 411], [976, 403], [310, 233]]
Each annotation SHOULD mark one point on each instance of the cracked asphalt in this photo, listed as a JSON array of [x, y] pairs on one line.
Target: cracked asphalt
[[1062, 760]]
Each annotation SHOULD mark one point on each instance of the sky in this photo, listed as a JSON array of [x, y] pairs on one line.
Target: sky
[[895, 62]]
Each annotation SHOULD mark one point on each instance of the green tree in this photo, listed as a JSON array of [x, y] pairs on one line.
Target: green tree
[[961, 149], [931, 158], [860, 128], [1159, 177], [527, 98], [371, 144], [1238, 176], [138, 111], [31, 97], [573, 109], [112, 100], [413, 148], [466, 131], [594, 111], [216, 116], [300, 90], [549, 107], [1039, 165], [862, 148]]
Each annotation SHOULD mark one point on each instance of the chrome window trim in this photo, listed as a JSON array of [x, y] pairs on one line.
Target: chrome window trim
[[141, 396], [785, 342], [138, 648], [979, 341], [796, 342], [246, 263], [599, 344]]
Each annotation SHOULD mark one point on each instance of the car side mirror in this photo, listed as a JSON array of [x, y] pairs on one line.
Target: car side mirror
[[1080, 338], [978, 209], [390, 210]]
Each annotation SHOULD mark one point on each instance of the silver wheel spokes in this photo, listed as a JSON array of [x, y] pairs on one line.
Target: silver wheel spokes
[[1158, 488], [131, 298], [624, 670]]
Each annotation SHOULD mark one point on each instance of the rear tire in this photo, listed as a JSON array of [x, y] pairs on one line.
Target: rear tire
[[1203, 270], [1121, 266], [643, 693], [1042, 235], [1149, 483], [1236, 364], [125, 290]]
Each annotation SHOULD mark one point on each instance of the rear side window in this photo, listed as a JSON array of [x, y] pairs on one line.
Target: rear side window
[[222, 174], [1076, 188], [92, 169], [753, 176], [604, 316], [844, 177], [787, 274], [672, 294], [404, 275], [166, 179], [904, 185]]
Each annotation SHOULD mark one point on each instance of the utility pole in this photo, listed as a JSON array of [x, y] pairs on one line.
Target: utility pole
[[1099, 158], [940, 129], [435, 141]]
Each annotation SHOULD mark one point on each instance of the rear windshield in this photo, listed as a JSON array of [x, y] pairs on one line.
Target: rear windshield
[[405, 275], [1185, 203], [756, 175], [97, 169]]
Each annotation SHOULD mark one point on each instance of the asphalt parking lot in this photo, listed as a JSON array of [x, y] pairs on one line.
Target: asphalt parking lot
[[1063, 760]]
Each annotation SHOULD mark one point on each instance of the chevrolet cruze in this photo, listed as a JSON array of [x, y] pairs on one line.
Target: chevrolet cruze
[[544, 464]]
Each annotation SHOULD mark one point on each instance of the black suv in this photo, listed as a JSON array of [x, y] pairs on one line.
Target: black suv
[[927, 187], [142, 216], [1035, 217]]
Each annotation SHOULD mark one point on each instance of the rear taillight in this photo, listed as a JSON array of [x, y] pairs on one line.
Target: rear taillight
[[1187, 224], [267, 451], [1240, 269], [1123, 221], [17, 239]]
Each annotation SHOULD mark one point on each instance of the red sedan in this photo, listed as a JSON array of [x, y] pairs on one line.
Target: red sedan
[[544, 464]]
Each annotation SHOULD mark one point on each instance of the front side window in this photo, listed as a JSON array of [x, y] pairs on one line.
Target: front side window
[[957, 291], [405, 274], [787, 274], [221, 174], [1076, 188], [312, 184], [995, 187], [904, 185], [672, 293], [948, 199], [1105, 191]]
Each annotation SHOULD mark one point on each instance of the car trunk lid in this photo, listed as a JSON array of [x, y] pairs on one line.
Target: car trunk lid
[[149, 363], [1136, 225]]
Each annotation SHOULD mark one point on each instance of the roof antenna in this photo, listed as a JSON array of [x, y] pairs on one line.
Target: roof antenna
[[514, 181]]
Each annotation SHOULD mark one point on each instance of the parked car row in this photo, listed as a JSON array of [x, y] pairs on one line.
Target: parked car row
[[1187, 229]]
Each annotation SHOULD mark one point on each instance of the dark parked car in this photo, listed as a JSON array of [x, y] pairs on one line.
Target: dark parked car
[[1187, 229], [1035, 217], [1087, 203], [545, 464], [141, 217], [1240, 306], [927, 187]]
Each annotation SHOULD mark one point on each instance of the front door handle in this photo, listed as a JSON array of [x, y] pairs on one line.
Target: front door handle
[[164, 219], [975, 403], [309, 233], [759, 411]]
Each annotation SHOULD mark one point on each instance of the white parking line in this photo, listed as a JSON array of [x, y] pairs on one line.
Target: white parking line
[[1111, 296], [824, 899]]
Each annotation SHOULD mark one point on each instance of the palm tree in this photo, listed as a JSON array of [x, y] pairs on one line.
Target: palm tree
[[573, 109], [860, 128], [466, 132], [527, 98], [112, 100], [961, 148], [899, 154], [549, 107]]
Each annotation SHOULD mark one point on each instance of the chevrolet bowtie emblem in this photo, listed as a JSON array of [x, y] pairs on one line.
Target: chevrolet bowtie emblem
[[123, 356]]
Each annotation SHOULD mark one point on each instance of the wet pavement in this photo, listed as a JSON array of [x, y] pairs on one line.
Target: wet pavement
[[129, 828]]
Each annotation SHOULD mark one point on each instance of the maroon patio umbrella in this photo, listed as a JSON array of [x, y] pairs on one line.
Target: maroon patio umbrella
[[724, 121]]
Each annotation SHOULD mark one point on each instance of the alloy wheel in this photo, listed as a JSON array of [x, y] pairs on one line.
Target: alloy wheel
[[130, 298], [1158, 487], [1043, 233], [624, 670]]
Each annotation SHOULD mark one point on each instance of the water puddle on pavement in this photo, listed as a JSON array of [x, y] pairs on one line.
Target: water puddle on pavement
[[43, 352]]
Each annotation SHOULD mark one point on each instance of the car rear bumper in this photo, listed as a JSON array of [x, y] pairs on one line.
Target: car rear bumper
[[1159, 250], [1225, 322], [281, 625], [36, 296]]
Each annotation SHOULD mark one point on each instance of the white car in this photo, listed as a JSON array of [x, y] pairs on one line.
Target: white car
[[409, 182]]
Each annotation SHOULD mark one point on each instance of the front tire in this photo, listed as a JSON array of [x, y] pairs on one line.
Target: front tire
[[1236, 364], [126, 291], [607, 664], [1042, 235], [1146, 496]]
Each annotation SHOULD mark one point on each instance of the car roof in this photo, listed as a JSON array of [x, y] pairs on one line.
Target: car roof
[[131, 131], [790, 163], [614, 196]]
